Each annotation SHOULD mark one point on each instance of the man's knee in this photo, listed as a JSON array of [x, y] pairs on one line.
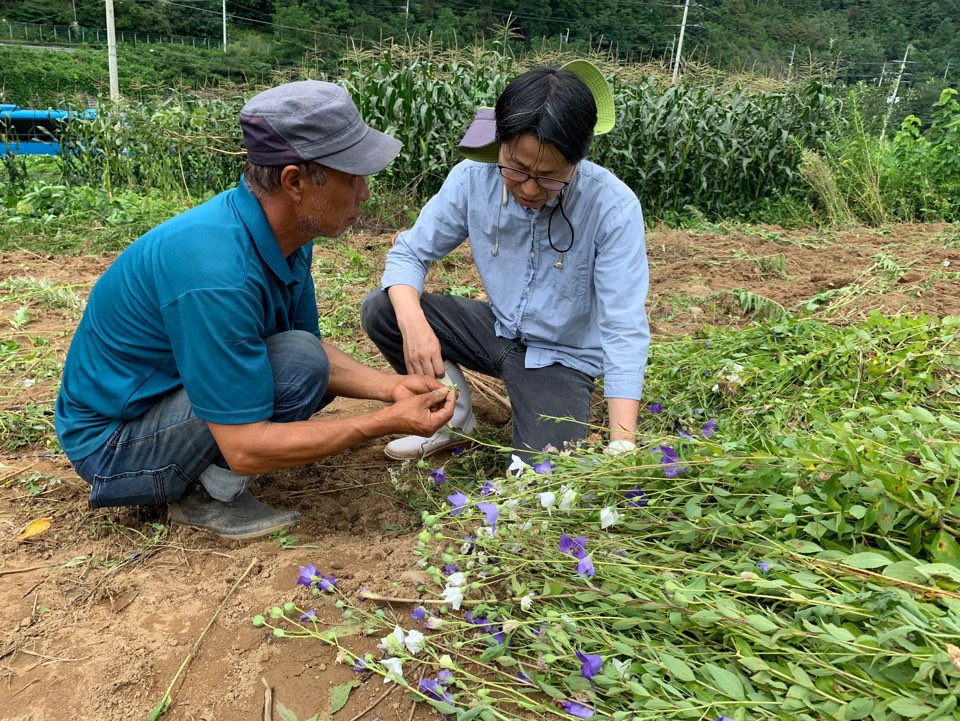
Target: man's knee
[[301, 370]]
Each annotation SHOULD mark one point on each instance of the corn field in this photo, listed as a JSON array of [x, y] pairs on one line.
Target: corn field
[[700, 150]]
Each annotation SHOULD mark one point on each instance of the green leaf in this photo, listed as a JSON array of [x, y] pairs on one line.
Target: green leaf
[[761, 623], [799, 675], [857, 709], [945, 549], [944, 570], [754, 664], [692, 508], [284, 713], [471, 713], [492, 652], [339, 695], [867, 560], [904, 571], [677, 668], [551, 691], [443, 707], [160, 709], [921, 414], [909, 707], [727, 683], [350, 627]]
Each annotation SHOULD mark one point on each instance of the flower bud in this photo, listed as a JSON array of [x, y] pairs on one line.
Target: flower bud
[[424, 536], [288, 607], [278, 632], [259, 621], [276, 612]]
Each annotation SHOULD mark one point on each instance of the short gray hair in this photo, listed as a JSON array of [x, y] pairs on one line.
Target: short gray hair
[[265, 179]]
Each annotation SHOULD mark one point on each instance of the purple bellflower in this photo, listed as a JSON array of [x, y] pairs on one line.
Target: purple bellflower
[[451, 568], [491, 512], [585, 567], [487, 488], [419, 613], [438, 476], [310, 615], [575, 708], [655, 408], [459, 501], [671, 461], [764, 567], [709, 428], [576, 547], [478, 621], [543, 469], [590, 664], [307, 575], [637, 497], [327, 583], [431, 688]]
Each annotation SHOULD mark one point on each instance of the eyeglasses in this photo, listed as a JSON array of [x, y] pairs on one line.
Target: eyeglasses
[[518, 176]]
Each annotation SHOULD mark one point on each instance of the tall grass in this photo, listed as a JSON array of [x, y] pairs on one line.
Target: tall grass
[[915, 175], [701, 150]]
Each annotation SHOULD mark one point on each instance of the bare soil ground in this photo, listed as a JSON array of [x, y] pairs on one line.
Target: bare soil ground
[[98, 613]]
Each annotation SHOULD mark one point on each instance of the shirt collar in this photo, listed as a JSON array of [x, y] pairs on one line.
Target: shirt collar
[[255, 220]]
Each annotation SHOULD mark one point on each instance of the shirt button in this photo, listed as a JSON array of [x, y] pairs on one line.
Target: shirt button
[[527, 289], [533, 255]]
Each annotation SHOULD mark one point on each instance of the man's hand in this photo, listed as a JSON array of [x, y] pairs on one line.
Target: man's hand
[[409, 386], [422, 413]]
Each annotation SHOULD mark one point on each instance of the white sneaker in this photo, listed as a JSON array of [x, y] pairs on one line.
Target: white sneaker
[[462, 423], [410, 447]]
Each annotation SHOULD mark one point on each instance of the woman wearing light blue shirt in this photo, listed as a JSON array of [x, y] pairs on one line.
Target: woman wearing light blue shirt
[[558, 242]]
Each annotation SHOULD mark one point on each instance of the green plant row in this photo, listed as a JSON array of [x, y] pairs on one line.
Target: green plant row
[[782, 545]]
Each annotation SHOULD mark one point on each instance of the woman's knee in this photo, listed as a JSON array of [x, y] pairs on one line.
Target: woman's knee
[[377, 314]]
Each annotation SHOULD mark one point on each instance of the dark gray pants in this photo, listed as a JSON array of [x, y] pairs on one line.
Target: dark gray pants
[[465, 329]]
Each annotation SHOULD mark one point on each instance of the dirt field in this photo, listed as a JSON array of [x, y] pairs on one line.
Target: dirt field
[[98, 613]]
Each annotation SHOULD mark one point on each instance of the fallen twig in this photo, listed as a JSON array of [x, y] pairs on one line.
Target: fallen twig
[[372, 706], [52, 658], [7, 572], [16, 472], [164, 703], [267, 701], [482, 385], [22, 688]]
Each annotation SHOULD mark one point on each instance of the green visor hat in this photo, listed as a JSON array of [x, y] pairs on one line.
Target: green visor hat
[[479, 142]]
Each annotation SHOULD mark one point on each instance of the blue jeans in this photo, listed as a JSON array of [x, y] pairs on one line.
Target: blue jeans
[[157, 457], [465, 329]]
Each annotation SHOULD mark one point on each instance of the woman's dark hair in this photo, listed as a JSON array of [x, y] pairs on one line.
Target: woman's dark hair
[[554, 105]]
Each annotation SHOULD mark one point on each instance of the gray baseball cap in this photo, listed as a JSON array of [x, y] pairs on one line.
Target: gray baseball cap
[[313, 120]]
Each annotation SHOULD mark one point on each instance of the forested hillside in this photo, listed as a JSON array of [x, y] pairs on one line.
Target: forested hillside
[[860, 39]]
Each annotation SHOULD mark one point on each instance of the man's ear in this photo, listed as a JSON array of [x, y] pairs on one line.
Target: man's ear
[[292, 182]]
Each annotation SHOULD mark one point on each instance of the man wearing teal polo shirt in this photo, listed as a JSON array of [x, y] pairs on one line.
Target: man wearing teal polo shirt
[[198, 362]]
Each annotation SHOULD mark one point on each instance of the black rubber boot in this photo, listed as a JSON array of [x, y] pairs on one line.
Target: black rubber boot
[[242, 518]]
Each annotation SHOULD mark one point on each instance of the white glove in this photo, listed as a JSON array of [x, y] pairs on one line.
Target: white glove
[[616, 448]]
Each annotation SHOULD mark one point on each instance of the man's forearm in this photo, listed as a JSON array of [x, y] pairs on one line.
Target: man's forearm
[[351, 379]]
